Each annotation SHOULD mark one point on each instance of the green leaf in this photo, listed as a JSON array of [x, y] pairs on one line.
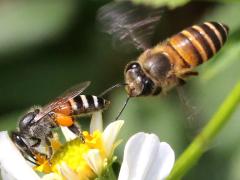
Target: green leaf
[[224, 60], [24, 23], [224, 1], [225, 13], [9, 121], [196, 149], [158, 3], [230, 52]]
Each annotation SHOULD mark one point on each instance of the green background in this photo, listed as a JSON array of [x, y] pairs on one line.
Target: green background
[[48, 46]]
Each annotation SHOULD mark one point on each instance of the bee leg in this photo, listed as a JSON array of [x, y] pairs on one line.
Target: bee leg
[[75, 128], [37, 142], [189, 73], [181, 82], [50, 135], [26, 157], [29, 160], [50, 151], [28, 151], [30, 154]]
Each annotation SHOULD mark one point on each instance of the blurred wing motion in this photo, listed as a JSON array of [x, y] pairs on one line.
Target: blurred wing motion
[[189, 110], [132, 23], [70, 93]]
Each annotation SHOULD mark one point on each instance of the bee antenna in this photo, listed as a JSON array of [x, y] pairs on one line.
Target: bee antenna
[[111, 88], [124, 106]]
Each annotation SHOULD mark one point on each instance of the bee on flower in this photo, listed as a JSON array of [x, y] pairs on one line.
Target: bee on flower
[[145, 157]]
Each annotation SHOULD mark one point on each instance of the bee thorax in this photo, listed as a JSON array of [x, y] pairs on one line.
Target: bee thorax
[[157, 66]]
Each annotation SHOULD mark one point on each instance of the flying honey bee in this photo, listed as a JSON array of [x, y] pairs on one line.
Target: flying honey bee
[[167, 64], [35, 128]]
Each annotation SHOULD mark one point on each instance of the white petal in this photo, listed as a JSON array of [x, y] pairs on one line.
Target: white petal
[[52, 176], [96, 122], [146, 158], [67, 172], [95, 161], [163, 163], [69, 135], [110, 135], [12, 162], [6, 176]]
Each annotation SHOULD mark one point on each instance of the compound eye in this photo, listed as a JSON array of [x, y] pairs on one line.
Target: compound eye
[[148, 87], [29, 117], [133, 65], [147, 81], [26, 120], [18, 140]]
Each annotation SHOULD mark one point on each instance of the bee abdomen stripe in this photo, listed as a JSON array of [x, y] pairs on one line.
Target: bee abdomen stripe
[[193, 49], [84, 101], [225, 27], [79, 103], [220, 28], [90, 101], [206, 37], [95, 100], [216, 31], [73, 104], [183, 60], [214, 39], [201, 43], [100, 102], [196, 44]]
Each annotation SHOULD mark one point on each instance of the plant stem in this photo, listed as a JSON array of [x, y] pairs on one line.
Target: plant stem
[[112, 175], [194, 151], [108, 175]]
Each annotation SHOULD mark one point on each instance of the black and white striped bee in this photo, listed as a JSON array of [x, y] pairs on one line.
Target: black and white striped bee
[[35, 127]]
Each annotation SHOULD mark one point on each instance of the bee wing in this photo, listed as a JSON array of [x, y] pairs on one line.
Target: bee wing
[[190, 111], [133, 24], [68, 94]]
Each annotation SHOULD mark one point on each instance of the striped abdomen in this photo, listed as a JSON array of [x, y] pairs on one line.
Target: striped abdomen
[[198, 43], [87, 103], [82, 104]]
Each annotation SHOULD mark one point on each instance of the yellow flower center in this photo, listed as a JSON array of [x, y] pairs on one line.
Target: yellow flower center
[[72, 154]]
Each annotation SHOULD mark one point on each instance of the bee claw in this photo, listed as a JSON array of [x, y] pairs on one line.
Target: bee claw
[[82, 138]]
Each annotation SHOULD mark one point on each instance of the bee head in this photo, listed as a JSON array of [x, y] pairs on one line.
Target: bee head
[[27, 119], [138, 84]]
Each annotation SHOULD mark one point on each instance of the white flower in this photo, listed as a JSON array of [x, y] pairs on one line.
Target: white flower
[[12, 164], [94, 157], [146, 158], [96, 152]]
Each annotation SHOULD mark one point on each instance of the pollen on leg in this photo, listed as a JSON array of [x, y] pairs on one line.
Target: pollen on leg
[[44, 165], [63, 120], [55, 142]]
